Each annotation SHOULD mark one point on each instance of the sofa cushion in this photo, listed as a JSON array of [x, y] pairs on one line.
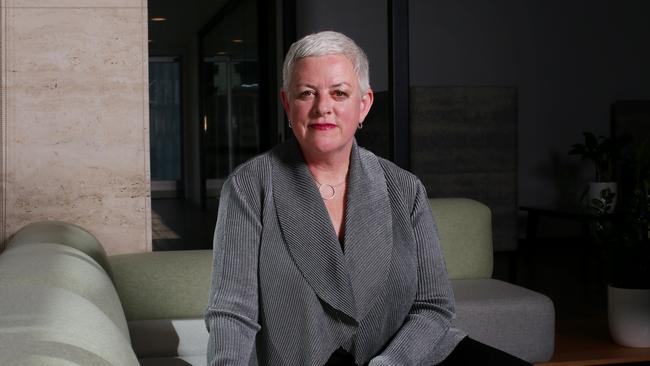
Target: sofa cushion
[[175, 361], [465, 230], [505, 316], [63, 267], [163, 285], [169, 337], [47, 326]]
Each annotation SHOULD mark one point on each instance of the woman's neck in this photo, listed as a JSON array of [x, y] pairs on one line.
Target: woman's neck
[[332, 169]]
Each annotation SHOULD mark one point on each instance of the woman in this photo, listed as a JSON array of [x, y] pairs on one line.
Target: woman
[[325, 253]]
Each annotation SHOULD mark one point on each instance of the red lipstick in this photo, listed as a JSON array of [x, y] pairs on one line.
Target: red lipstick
[[322, 126]]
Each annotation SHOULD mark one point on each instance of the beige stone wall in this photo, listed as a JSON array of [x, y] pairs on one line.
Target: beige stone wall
[[75, 137]]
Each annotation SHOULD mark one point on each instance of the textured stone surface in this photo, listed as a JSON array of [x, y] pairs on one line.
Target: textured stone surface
[[76, 144], [464, 144], [3, 114], [73, 3]]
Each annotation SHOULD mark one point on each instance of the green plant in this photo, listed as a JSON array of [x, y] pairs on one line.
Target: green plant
[[602, 151], [626, 235]]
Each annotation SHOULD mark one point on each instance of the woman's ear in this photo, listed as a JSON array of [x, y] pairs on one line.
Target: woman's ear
[[366, 103], [285, 102]]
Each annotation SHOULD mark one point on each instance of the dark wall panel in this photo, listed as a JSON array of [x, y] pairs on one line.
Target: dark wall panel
[[464, 144]]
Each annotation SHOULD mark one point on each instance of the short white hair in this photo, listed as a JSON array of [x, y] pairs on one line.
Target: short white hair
[[327, 43]]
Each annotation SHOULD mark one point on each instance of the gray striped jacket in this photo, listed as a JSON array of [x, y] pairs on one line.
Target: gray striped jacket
[[285, 293]]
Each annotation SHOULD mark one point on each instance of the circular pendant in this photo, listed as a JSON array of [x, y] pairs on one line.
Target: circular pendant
[[326, 191]]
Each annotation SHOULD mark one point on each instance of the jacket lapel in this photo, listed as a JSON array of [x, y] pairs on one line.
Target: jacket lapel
[[368, 229], [308, 232]]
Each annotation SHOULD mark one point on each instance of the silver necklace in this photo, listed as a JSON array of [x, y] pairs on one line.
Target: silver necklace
[[327, 191]]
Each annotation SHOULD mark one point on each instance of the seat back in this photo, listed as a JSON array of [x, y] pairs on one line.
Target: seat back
[[465, 230]]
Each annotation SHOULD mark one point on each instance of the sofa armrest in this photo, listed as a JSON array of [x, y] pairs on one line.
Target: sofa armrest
[[58, 305], [63, 233]]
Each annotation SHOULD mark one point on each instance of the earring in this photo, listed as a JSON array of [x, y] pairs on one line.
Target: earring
[[360, 125], [290, 125]]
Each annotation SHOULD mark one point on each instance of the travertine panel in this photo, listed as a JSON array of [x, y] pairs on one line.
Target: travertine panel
[[77, 119], [72, 3], [3, 114]]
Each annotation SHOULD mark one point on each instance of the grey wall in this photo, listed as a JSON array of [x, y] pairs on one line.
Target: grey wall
[[569, 60], [365, 21]]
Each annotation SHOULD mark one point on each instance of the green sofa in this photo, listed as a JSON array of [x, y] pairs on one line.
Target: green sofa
[[64, 302]]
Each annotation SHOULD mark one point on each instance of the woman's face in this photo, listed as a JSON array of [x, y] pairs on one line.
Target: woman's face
[[324, 104]]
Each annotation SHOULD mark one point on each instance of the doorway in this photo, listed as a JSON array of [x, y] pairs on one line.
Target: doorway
[[221, 54]]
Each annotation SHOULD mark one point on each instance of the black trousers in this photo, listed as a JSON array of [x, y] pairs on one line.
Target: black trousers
[[470, 352], [467, 353]]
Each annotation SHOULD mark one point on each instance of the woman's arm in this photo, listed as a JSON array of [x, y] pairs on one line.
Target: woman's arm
[[231, 316], [433, 309]]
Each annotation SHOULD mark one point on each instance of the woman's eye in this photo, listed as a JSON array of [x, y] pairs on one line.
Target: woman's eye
[[306, 93], [340, 93]]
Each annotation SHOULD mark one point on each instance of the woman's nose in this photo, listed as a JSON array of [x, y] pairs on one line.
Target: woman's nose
[[323, 105]]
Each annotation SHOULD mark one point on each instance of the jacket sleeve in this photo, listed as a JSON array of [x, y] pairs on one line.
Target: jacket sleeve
[[232, 313], [432, 311]]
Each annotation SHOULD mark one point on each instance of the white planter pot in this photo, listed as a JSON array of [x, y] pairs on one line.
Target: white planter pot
[[629, 316], [595, 193]]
